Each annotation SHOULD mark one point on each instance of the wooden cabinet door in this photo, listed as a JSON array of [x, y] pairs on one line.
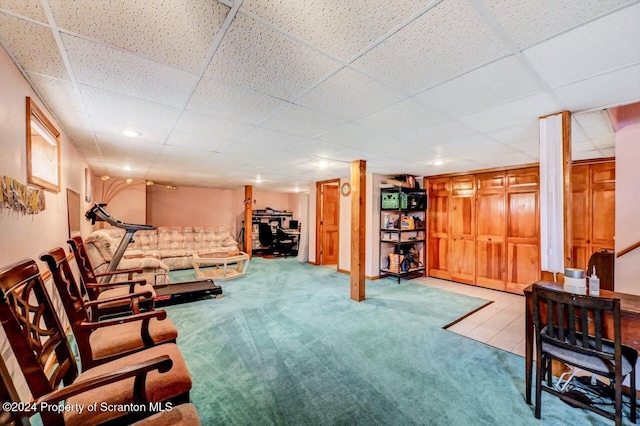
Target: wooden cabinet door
[[490, 230], [592, 210], [523, 224], [462, 242], [438, 212], [603, 209], [580, 216]]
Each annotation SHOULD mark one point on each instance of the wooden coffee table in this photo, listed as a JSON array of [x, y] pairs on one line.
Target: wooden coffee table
[[225, 269]]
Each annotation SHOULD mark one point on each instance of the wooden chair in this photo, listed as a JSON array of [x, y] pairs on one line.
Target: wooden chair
[[569, 328], [182, 415], [101, 291], [34, 332], [103, 341]]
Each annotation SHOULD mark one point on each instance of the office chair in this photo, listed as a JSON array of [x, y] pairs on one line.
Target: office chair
[[569, 328], [284, 243], [265, 236]]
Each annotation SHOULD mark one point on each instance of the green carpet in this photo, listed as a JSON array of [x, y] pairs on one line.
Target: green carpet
[[285, 345]]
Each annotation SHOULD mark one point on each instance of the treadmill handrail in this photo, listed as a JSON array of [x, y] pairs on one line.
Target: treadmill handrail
[[98, 213]]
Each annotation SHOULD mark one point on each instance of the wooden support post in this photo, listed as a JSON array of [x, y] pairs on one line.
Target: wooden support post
[[569, 261], [248, 219], [358, 227]]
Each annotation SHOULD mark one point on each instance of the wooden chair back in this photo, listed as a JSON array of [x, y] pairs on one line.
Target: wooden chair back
[[34, 332], [84, 265], [568, 320], [66, 284]]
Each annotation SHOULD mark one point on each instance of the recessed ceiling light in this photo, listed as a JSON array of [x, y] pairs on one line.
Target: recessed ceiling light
[[323, 164], [438, 162], [131, 133], [127, 168], [258, 179]]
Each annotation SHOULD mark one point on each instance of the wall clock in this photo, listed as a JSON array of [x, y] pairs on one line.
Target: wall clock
[[345, 189]]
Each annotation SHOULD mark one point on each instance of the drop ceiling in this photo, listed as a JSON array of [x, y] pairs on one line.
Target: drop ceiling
[[225, 93]]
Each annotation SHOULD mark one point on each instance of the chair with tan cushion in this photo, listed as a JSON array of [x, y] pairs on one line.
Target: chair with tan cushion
[[102, 341], [34, 332], [101, 291]]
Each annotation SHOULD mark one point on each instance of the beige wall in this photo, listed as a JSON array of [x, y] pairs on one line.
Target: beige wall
[[190, 206], [627, 267], [27, 236]]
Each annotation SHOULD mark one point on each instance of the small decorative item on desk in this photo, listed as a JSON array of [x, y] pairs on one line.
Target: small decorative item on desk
[[574, 281]]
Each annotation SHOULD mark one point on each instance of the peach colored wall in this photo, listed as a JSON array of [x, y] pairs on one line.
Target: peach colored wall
[[27, 236], [627, 267], [191, 206], [128, 205]]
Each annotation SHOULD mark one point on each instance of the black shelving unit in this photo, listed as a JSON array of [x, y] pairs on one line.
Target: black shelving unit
[[402, 231]]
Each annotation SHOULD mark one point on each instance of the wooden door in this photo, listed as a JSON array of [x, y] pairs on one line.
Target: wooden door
[[462, 232], [580, 217], [603, 208], [329, 219], [490, 230], [438, 212], [593, 210], [523, 224]]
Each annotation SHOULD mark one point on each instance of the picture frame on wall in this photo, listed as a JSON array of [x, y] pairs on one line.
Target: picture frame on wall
[[43, 149]]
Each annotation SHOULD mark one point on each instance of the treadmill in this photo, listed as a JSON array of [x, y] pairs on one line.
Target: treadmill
[[166, 293]]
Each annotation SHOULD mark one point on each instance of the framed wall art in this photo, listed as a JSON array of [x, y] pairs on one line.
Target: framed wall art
[[43, 149]]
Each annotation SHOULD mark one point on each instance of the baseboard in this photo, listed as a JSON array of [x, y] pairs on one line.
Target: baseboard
[[311, 262]]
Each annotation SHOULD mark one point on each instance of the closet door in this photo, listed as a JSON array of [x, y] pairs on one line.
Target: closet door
[[462, 233], [580, 216], [523, 223], [603, 209], [490, 213], [438, 213]]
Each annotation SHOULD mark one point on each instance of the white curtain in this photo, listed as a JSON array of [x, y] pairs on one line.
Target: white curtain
[[303, 246], [551, 194]]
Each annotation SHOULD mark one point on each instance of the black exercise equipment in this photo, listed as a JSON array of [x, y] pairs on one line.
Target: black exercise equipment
[[167, 293]]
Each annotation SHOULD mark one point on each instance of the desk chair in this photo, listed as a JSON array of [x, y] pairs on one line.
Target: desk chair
[[265, 236], [284, 243], [569, 328]]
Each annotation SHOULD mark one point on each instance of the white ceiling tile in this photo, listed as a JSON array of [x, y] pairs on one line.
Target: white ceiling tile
[[33, 46], [504, 160], [270, 63], [605, 142], [119, 71], [529, 21], [350, 155], [429, 50], [510, 114], [522, 138], [76, 125], [178, 33], [615, 88], [491, 85], [585, 155], [437, 134], [232, 102], [341, 31], [473, 147], [349, 135], [207, 125], [56, 93], [270, 139], [302, 121], [604, 45], [30, 9], [131, 111], [315, 148], [196, 142], [609, 152], [594, 124], [577, 147], [349, 95], [404, 117]]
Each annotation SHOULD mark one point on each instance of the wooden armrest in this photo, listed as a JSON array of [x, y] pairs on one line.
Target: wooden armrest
[[119, 271], [131, 284], [121, 320], [162, 364], [129, 296]]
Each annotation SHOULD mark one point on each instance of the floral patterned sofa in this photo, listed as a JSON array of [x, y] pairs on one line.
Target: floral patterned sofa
[[163, 249]]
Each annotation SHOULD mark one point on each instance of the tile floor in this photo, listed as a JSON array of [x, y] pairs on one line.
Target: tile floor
[[499, 324]]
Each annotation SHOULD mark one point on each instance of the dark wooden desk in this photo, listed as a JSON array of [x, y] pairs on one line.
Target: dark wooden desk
[[629, 322]]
